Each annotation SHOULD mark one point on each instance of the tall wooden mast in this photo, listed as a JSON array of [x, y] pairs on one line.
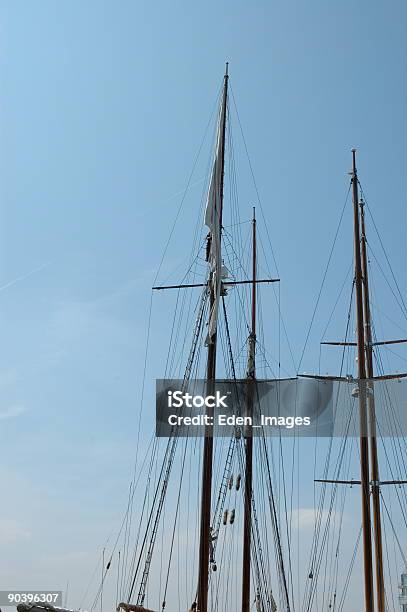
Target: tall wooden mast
[[364, 440], [370, 476], [251, 374], [377, 523], [205, 524]]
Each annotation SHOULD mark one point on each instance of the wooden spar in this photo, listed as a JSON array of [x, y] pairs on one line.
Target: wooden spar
[[352, 482], [364, 440], [337, 343], [383, 343], [224, 283], [377, 522], [350, 379], [206, 496], [251, 374]]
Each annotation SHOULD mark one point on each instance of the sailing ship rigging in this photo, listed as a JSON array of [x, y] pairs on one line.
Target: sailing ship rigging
[[215, 530], [213, 302], [365, 392]]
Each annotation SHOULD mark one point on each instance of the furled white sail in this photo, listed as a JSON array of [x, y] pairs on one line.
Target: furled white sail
[[213, 214]]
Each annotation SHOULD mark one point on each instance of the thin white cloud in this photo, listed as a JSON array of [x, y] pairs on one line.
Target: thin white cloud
[[8, 378], [11, 531], [304, 519], [11, 412], [50, 560]]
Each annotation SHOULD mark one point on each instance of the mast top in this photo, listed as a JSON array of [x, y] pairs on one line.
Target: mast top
[[354, 162], [227, 70]]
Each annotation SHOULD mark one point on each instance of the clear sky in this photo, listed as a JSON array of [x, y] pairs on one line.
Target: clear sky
[[102, 109]]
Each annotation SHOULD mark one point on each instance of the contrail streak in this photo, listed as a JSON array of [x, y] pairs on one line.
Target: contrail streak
[[24, 276], [175, 195]]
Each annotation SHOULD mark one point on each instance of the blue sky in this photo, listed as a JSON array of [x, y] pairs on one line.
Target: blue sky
[[102, 109]]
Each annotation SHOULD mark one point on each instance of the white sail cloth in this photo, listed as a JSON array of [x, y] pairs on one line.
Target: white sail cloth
[[213, 218]]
